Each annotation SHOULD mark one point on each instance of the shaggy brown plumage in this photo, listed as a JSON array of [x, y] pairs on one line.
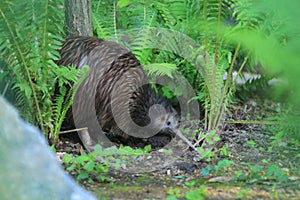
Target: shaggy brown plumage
[[114, 92]]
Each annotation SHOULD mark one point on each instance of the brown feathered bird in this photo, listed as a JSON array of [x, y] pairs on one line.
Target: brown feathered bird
[[115, 98]]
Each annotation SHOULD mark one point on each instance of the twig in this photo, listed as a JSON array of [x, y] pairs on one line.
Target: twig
[[199, 139], [73, 130], [282, 123]]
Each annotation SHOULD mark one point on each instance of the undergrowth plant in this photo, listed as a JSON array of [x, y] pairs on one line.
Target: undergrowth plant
[[228, 34], [31, 33], [270, 30], [95, 165], [203, 65]]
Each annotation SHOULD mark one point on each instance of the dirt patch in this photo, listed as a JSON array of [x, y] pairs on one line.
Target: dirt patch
[[247, 146]]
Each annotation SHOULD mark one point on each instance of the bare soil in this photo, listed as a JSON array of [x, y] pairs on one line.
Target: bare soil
[[248, 145]]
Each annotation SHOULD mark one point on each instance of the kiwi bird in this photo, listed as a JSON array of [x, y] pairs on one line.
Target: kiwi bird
[[115, 98]]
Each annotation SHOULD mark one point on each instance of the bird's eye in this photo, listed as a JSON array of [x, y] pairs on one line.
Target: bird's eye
[[168, 123]]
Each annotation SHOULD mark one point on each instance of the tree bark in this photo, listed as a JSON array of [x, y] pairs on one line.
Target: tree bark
[[79, 17]]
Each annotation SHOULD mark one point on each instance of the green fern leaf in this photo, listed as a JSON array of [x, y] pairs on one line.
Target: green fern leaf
[[160, 69]]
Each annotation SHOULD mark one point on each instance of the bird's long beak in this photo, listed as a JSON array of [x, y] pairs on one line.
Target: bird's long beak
[[178, 133]]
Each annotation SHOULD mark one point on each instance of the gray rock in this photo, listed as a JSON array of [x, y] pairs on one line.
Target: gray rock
[[28, 169]]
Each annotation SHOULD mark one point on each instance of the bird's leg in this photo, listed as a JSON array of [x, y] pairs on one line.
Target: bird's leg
[[86, 139], [90, 138]]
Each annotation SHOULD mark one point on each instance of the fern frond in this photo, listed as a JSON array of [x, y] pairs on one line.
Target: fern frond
[[64, 100], [103, 19], [160, 69], [57, 105], [140, 46], [164, 12], [27, 32], [21, 59], [141, 41], [101, 30]]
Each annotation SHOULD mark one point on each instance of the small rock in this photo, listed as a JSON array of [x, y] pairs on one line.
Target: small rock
[[168, 172], [123, 166], [219, 179]]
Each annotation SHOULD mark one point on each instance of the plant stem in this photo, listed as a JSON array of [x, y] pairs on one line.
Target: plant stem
[[40, 119]]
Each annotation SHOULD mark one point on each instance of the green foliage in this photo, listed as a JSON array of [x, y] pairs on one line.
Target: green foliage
[[171, 197], [197, 194], [206, 149], [273, 38], [277, 138], [94, 166], [256, 172], [251, 174], [30, 33], [206, 154], [206, 170], [63, 100], [86, 168], [173, 193], [196, 19], [251, 144], [221, 168], [229, 34], [288, 126], [200, 193], [261, 173], [277, 173], [160, 69], [224, 151], [223, 164], [242, 194], [104, 18]]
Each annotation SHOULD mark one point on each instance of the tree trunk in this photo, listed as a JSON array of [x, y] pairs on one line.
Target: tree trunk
[[79, 17]]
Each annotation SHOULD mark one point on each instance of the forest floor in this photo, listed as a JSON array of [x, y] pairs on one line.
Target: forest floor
[[252, 161]]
